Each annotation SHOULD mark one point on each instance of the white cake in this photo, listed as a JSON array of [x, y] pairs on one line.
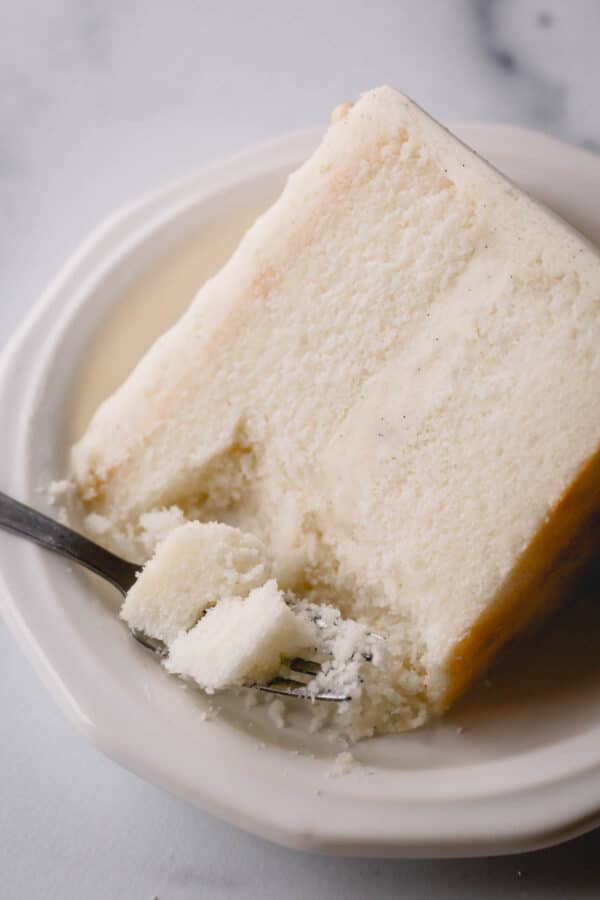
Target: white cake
[[195, 566], [395, 384], [207, 593], [241, 641]]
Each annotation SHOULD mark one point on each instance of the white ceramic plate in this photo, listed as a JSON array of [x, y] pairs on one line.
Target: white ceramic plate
[[515, 766]]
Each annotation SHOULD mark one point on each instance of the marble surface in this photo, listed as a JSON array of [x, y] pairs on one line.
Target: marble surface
[[99, 102]]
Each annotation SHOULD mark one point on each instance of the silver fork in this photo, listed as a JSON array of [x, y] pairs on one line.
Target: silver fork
[[52, 535]]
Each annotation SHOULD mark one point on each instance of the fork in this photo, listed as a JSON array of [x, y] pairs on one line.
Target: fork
[[27, 522]]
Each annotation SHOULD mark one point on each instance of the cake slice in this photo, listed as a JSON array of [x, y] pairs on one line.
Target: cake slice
[[395, 384]]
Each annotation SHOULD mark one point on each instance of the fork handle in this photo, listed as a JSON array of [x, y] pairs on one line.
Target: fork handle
[[50, 534]]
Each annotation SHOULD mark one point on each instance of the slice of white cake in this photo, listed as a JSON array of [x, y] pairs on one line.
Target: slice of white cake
[[395, 384], [194, 567], [239, 642]]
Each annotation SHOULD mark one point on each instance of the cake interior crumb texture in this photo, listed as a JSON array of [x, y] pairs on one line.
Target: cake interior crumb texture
[[196, 565], [206, 592], [241, 641], [394, 385]]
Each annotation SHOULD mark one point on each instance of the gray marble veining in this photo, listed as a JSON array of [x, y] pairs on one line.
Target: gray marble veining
[[100, 101]]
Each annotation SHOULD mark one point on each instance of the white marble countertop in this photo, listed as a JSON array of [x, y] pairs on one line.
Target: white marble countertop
[[99, 102]]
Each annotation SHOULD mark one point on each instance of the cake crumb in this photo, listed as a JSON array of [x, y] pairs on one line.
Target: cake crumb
[[157, 524], [59, 491], [341, 111], [250, 699], [276, 712], [343, 764], [60, 494], [321, 716], [208, 714], [97, 524]]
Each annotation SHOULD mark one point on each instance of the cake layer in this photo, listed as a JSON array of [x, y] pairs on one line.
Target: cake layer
[[394, 383]]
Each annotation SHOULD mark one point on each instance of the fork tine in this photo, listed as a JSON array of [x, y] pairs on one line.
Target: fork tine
[[282, 683], [305, 666], [288, 687]]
